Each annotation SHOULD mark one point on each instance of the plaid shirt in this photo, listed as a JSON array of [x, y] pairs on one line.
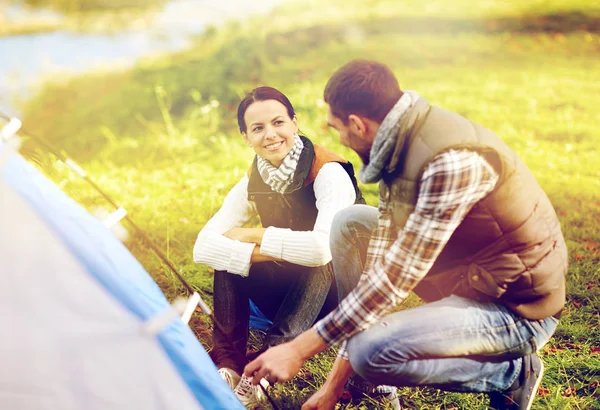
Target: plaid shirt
[[451, 185]]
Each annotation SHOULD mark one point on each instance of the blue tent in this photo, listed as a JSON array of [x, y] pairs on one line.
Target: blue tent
[[75, 305]]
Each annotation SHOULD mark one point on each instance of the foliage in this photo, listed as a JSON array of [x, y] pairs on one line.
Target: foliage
[[71, 6], [8, 28], [162, 139]]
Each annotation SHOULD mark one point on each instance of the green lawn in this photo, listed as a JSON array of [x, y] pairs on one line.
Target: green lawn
[[162, 138]]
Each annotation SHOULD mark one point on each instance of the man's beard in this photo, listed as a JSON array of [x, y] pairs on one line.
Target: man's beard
[[364, 158], [364, 153]]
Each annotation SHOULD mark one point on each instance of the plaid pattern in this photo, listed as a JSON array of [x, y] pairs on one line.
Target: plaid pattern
[[452, 183]]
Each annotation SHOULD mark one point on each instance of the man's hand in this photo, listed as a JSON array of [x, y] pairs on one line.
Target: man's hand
[[283, 362], [323, 399], [279, 364], [332, 389]]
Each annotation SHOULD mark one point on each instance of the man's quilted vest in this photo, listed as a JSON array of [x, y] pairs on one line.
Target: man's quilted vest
[[509, 248], [296, 209]]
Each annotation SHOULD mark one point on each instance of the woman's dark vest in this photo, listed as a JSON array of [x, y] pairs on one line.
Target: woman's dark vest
[[296, 209]]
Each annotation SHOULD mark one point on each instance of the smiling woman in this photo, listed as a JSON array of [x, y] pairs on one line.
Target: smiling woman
[[272, 124], [295, 187]]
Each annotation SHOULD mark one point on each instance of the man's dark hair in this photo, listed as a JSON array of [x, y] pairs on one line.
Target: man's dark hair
[[362, 87], [262, 94]]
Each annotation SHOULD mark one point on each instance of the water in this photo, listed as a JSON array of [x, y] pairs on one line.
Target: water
[[26, 61]]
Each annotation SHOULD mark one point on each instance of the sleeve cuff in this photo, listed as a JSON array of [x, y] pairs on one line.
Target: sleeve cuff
[[321, 328], [272, 242], [239, 260], [343, 353]]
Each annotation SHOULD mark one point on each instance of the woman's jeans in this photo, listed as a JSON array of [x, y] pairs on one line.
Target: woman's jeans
[[293, 297], [453, 344]]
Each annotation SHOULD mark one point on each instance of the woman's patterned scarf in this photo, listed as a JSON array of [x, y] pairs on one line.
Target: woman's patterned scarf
[[279, 179]]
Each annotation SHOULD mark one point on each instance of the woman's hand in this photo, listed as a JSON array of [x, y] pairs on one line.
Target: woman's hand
[[237, 234], [250, 235]]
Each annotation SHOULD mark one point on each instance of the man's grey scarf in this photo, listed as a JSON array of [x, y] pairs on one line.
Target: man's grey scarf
[[385, 140], [279, 179]]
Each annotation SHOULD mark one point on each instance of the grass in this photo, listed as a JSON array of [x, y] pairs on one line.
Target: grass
[[162, 140]]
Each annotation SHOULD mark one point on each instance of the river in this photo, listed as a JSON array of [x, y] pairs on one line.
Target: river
[[27, 61]]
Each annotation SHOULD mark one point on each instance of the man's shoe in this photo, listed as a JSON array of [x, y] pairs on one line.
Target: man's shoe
[[230, 376], [521, 394], [384, 396], [252, 397]]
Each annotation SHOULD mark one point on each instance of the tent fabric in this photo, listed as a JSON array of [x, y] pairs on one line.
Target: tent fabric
[[75, 301]]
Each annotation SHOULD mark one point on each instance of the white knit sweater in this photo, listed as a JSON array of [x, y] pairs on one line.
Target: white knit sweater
[[333, 191]]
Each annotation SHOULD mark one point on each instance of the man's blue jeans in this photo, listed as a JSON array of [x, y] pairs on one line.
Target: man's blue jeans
[[454, 344]]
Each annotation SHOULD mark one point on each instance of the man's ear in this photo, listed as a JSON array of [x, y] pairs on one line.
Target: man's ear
[[357, 125]]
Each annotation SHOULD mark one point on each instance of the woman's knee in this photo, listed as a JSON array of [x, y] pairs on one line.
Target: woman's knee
[[340, 226], [351, 222]]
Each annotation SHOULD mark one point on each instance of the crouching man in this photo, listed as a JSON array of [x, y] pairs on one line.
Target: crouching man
[[463, 223]]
